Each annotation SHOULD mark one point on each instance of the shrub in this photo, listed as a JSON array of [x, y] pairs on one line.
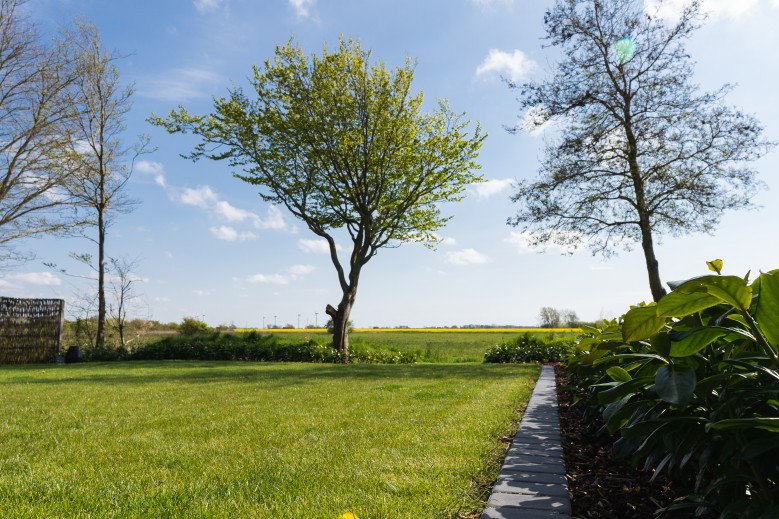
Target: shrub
[[691, 385], [190, 326], [256, 347], [527, 348]]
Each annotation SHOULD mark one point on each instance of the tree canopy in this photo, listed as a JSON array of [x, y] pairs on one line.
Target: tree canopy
[[35, 126], [342, 143], [641, 152]]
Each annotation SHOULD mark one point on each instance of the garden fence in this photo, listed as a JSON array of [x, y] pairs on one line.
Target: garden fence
[[30, 330]]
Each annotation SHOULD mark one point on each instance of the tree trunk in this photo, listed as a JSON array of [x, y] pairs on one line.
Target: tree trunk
[[100, 338], [340, 319], [652, 266]]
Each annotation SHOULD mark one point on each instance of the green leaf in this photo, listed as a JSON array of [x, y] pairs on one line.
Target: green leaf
[[695, 341], [641, 322], [618, 374], [661, 344], [739, 319], [675, 385], [728, 289], [680, 304], [767, 310], [768, 424], [731, 289], [715, 265]]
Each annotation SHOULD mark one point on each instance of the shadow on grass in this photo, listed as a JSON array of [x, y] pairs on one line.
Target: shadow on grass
[[273, 374]]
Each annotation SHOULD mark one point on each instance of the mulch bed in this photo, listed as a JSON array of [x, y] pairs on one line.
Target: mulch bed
[[600, 486]]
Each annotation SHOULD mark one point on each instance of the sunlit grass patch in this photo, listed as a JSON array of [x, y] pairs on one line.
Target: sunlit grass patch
[[210, 439]]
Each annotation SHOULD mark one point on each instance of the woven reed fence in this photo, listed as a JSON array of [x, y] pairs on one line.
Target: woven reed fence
[[30, 330]]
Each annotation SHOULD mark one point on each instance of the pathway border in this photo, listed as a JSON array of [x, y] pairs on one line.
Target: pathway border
[[532, 484]]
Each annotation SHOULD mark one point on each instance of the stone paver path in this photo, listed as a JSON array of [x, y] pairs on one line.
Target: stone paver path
[[531, 484]]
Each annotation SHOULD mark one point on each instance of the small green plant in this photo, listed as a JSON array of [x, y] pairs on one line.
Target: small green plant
[[527, 348], [691, 385]]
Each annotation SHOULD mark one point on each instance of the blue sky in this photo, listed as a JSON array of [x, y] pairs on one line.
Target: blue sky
[[207, 246]]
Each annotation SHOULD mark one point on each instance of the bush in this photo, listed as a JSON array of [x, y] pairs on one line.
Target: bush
[[691, 385], [527, 348], [256, 347], [190, 327]]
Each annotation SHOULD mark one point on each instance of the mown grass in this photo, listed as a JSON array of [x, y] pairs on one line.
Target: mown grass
[[222, 439]]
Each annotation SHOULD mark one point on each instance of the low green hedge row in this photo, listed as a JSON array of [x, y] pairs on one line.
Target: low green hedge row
[[247, 347], [528, 348]]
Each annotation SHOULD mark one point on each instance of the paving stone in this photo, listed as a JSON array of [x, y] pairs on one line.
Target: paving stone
[[533, 477], [532, 484], [511, 512], [546, 503], [512, 486]]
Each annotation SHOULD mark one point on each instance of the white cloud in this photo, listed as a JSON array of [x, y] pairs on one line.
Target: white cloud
[[671, 9], [317, 246], [523, 243], [149, 167], [273, 220], [231, 213], [35, 278], [205, 198], [180, 85], [466, 257], [491, 187], [226, 233], [206, 6], [302, 7], [202, 197], [301, 270], [201, 293], [487, 5], [273, 279], [514, 66], [291, 274]]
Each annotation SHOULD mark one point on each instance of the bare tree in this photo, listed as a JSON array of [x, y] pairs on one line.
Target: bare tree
[[642, 153], [35, 120], [549, 317], [122, 283], [102, 164]]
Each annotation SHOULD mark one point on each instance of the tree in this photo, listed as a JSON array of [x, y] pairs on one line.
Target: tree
[[124, 295], [549, 317], [343, 145], [34, 132], [569, 318], [641, 152], [97, 155]]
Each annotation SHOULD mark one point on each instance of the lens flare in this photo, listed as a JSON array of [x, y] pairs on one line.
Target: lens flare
[[624, 48]]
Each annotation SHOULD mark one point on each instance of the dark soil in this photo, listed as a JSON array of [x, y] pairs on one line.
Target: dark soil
[[600, 486]]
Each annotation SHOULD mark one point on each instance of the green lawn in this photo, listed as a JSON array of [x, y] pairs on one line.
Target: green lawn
[[221, 439]]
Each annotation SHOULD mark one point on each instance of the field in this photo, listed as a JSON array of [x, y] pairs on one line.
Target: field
[[221, 439], [430, 345]]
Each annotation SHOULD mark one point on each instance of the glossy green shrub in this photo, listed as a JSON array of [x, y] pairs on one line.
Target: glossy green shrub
[[527, 348], [691, 386]]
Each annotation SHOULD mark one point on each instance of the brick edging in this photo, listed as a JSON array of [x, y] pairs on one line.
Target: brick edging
[[531, 484]]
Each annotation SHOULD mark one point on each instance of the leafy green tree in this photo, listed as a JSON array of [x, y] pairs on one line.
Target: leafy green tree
[[191, 326], [343, 144], [641, 152]]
